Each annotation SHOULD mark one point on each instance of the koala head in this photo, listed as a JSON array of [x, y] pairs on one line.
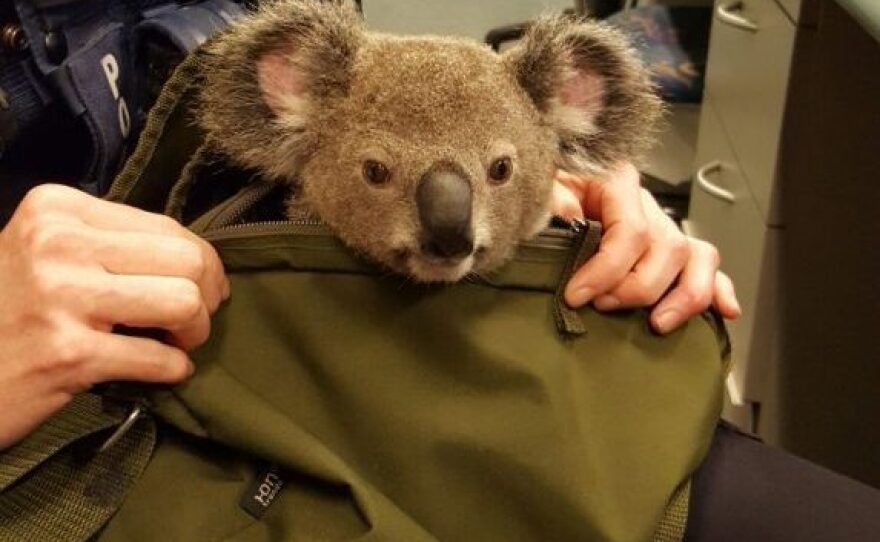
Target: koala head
[[432, 156]]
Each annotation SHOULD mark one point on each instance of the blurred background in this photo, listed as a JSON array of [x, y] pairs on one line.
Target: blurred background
[[456, 18]]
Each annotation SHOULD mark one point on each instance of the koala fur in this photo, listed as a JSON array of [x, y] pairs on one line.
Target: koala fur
[[302, 92]]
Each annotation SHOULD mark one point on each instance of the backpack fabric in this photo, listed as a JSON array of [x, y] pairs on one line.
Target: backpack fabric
[[334, 401]]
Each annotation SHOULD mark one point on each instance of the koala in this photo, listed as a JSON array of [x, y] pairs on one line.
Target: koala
[[432, 156]]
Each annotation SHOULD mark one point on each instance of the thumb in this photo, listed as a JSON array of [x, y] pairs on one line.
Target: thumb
[[565, 202], [580, 190]]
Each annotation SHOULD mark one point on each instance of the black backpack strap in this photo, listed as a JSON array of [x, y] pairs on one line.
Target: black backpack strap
[[89, 456]]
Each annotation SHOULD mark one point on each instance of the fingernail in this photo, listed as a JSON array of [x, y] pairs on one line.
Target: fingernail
[[580, 296], [226, 289], [666, 322], [191, 367], [606, 303], [737, 308]]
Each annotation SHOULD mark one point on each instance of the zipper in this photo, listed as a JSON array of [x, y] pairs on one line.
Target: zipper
[[268, 228], [224, 223], [586, 239], [554, 238]]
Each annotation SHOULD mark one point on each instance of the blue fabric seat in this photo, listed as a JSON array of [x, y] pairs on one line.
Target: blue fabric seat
[[673, 43]]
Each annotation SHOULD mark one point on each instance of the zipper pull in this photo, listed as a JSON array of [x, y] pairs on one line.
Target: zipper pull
[[586, 243]]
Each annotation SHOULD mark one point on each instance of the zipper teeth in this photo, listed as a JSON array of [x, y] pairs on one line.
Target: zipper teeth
[[268, 227], [549, 232], [557, 238], [268, 223]]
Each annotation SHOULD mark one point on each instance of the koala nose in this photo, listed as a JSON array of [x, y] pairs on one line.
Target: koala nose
[[444, 200]]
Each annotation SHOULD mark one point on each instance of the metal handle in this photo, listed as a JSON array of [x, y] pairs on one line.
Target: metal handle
[[725, 12], [711, 188]]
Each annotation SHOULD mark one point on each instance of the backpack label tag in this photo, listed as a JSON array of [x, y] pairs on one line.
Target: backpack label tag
[[262, 492]]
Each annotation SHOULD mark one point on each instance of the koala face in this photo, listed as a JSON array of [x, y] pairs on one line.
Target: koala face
[[432, 156], [436, 163]]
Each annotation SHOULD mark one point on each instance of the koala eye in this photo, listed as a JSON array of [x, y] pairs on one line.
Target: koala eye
[[500, 170], [376, 172]]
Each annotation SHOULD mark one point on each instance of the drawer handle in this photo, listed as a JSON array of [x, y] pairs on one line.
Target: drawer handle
[[711, 188], [726, 12]]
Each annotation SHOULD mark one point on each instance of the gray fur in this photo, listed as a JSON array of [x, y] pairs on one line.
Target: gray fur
[[414, 102]]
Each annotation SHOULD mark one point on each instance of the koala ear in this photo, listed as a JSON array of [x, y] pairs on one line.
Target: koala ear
[[284, 86], [268, 77], [590, 87]]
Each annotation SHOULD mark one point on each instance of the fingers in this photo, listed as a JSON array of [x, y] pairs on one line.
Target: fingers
[[117, 218], [150, 254], [565, 203], [64, 200], [649, 279], [694, 292], [71, 358], [126, 223], [625, 240], [654, 273], [725, 297], [591, 194], [68, 206], [641, 254], [119, 357], [148, 301], [117, 265]]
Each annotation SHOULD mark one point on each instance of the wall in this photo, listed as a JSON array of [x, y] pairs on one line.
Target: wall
[[471, 18]]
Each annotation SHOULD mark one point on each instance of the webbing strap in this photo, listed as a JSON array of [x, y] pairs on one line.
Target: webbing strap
[[671, 527], [54, 487]]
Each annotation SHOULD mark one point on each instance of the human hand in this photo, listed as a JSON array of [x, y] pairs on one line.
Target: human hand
[[71, 267], [641, 255]]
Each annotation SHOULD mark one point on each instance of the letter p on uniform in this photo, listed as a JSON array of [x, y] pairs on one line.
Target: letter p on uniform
[[111, 72]]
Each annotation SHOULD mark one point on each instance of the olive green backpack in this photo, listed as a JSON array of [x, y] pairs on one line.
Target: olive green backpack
[[334, 401]]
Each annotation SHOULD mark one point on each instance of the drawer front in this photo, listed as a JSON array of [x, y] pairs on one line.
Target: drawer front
[[745, 242], [747, 78]]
